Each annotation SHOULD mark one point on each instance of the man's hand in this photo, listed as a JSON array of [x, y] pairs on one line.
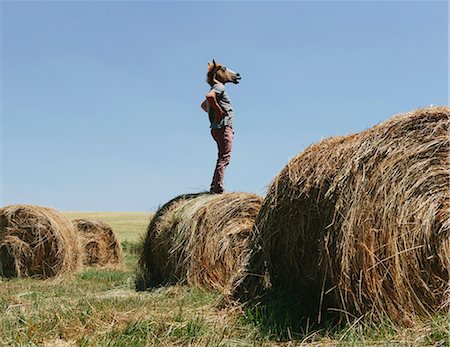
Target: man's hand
[[212, 100], [204, 106]]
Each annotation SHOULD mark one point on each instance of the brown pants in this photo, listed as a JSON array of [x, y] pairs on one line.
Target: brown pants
[[224, 140]]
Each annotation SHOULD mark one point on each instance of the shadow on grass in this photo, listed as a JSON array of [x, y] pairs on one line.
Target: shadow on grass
[[282, 316], [294, 316]]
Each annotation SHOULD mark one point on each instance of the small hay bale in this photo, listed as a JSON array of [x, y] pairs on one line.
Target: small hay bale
[[37, 242], [360, 224], [199, 239], [99, 242]]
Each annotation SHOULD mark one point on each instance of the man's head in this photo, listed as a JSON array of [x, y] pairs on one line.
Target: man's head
[[221, 73]]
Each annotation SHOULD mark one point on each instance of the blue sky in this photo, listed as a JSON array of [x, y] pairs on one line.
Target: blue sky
[[100, 102]]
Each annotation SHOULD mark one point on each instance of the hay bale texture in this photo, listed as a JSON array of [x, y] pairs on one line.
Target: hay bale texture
[[361, 223], [100, 244], [199, 239], [37, 242]]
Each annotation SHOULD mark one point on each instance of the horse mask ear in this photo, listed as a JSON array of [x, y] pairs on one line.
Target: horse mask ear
[[212, 65]]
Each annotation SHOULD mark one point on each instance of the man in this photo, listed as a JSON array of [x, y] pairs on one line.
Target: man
[[218, 106]]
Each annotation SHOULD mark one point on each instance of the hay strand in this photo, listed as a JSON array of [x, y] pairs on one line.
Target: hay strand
[[361, 223], [36, 242], [99, 242], [199, 239]]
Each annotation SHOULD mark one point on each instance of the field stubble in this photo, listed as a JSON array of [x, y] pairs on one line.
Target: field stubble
[[101, 307]]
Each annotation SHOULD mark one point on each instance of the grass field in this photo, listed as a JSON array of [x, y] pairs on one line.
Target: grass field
[[99, 307]]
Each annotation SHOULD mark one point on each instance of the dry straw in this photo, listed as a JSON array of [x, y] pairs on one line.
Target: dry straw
[[37, 242], [99, 242], [199, 239], [360, 224]]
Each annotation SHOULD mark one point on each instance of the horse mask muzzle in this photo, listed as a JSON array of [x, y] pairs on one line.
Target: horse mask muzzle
[[235, 76]]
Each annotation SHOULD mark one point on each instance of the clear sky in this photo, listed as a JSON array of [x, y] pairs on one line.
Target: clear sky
[[100, 103]]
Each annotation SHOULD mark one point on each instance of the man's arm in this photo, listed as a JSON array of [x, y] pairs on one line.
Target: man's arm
[[212, 101], [203, 106]]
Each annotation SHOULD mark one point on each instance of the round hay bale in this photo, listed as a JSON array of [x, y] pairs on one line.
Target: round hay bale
[[360, 224], [36, 242], [100, 244], [199, 239]]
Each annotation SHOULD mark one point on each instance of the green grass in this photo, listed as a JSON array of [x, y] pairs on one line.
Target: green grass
[[99, 307]]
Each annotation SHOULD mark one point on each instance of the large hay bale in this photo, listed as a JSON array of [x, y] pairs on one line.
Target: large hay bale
[[360, 224], [100, 244], [199, 239], [37, 242]]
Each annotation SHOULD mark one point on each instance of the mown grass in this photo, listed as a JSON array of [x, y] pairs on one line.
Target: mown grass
[[100, 307]]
